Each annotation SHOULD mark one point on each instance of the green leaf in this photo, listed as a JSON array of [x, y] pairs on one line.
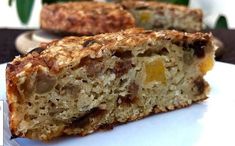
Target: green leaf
[[178, 2], [9, 2], [221, 22], [49, 1], [182, 2], [55, 1], [24, 9]]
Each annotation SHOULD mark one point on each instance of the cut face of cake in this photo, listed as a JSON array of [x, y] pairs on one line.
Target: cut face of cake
[[156, 15], [78, 85], [90, 18]]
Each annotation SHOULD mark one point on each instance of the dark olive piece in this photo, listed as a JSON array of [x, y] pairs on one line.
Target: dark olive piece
[[199, 48], [88, 43], [38, 50], [13, 136]]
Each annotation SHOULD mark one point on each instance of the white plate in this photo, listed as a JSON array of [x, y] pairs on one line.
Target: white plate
[[29, 40], [206, 124]]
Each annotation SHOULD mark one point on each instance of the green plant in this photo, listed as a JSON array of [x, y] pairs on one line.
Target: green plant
[[178, 2], [25, 7], [56, 1], [221, 22]]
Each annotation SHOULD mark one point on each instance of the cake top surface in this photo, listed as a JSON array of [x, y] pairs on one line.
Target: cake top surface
[[68, 51], [85, 18], [95, 7], [141, 5]]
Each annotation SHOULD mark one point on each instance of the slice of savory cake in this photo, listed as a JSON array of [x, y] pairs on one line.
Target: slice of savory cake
[[157, 15], [78, 85]]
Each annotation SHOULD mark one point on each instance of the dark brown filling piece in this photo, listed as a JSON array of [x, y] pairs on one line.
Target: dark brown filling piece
[[93, 67], [122, 67], [200, 85], [85, 119], [89, 42], [125, 54], [132, 95], [44, 83], [13, 136], [199, 48], [152, 52], [37, 50]]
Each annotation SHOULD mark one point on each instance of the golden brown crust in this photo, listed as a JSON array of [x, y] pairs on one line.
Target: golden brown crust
[[58, 54], [85, 18], [62, 52]]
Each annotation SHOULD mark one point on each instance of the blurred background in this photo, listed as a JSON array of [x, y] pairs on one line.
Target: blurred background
[[19, 25], [211, 8]]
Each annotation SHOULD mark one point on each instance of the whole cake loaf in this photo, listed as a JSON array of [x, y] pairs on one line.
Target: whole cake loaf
[[78, 85], [90, 18]]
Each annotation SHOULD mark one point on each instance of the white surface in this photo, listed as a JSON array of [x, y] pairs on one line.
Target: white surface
[[1, 123], [43, 36], [211, 8], [6, 131], [9, 17], [29, 40], [206, 124]]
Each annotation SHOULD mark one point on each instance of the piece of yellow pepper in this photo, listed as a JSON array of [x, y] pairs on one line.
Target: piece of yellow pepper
[[155, 71], [206, 64]]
